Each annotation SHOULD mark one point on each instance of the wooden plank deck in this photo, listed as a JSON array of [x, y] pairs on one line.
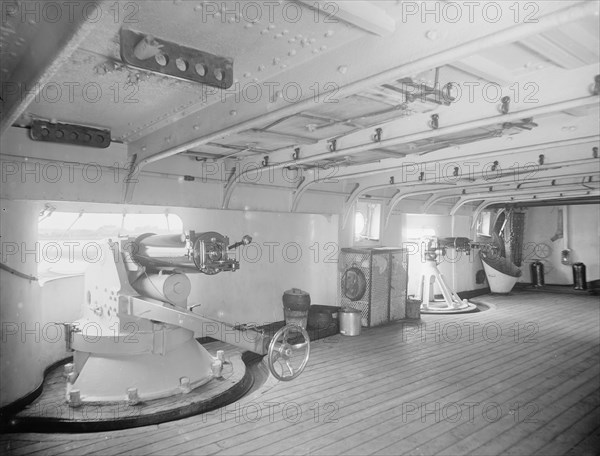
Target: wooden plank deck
[[520, 378]]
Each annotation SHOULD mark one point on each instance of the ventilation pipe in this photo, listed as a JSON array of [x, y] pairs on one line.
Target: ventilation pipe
[[565, 254]]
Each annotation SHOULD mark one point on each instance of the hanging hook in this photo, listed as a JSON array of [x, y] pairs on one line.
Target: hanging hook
[[505, 106], [435, 121], [332, 145], [377, 135]]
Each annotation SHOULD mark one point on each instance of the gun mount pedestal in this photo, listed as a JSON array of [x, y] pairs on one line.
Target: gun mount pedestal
[[431, 249]]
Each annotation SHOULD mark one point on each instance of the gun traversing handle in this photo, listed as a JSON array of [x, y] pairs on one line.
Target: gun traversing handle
[[245, 241]]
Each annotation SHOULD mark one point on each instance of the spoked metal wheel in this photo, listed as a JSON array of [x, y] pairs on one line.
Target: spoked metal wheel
[[288, 352]]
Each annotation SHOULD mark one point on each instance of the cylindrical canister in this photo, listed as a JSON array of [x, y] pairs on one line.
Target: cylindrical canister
[[579, 280], [537, 274], [162, 251], [349, 321], [296, 304], [173, 288]]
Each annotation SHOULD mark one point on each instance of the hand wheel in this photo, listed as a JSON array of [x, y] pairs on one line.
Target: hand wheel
[[281, 352]]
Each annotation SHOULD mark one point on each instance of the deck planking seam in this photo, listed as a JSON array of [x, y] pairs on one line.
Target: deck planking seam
[[387, 424], [295, 427], [382, 416], [364, 345]]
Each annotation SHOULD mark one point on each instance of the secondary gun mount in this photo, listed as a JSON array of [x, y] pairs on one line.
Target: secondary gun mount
[[431, 249], [136, 338]]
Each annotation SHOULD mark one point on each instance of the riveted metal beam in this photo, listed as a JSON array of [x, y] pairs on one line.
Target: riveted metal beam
[[537, 191], [507, 180], [508, 35], [436, 197], [54, 43], [439, 187], [334, 151], [359, 13], [489, 202], [397, 164]]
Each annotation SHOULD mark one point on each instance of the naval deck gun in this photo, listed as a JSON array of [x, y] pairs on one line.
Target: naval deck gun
[[136, 338]]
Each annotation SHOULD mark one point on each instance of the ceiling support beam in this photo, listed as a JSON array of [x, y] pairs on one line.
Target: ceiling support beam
[[494, 153], [433, 189], [553, 107], [359, 13], [428, 134], [505, 180], [516, 193], [572, 201], [541, 147], [503, 152], [436, 198], [489, 202], [512, 34], [483, 67], [53, 46]]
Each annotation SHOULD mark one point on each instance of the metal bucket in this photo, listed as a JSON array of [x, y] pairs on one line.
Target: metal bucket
[[349, 321]]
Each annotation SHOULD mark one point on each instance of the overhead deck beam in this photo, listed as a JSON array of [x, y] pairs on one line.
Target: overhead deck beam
[[400, 196], [359, 13], [540, 193], [397, 164], [143, 148], [53, 45], [547, 149], [577, 95], [485, 68], [436, 198], [489, 202], [574, 200], [541, 110]]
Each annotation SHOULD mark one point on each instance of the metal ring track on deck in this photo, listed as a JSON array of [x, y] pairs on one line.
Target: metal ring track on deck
[[51, 413]]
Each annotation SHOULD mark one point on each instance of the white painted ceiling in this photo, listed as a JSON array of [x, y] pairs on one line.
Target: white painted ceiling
[[153, 113]]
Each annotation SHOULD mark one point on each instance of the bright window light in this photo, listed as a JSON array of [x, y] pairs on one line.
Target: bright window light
[[360, 223], [65, 237], [484, 224], [367, 221], [414, 234]]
